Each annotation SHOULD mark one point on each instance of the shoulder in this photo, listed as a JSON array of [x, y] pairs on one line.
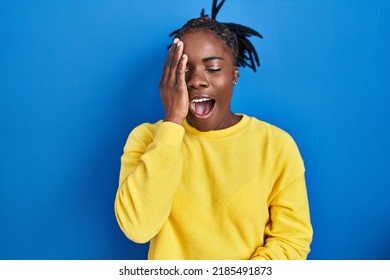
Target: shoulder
[[161, 132], [275, 141], [270, 132], [145, 129], [280, 149], [143, 133]]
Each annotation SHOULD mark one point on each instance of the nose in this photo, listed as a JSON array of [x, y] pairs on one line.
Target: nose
[[196, 79]]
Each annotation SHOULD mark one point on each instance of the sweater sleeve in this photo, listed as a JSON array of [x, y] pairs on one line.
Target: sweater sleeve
[[288, 233], [151, 168]]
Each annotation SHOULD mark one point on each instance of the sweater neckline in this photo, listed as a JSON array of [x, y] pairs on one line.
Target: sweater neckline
[[220, 133]]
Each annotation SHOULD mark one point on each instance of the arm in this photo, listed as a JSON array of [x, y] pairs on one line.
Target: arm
[[151, 165], [288, 233], [150, 173]]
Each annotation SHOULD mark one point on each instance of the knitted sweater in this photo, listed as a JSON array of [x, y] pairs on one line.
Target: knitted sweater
[[235, 193]]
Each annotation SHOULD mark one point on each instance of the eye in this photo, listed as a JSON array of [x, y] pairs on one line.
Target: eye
[[212, 70]]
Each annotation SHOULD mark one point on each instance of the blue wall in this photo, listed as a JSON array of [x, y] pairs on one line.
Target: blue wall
[[77, 76]]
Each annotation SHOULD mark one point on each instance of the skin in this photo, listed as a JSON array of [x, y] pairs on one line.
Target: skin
[[199, 65]]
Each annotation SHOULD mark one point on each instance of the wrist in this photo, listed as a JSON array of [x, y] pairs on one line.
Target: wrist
[[174, 119]]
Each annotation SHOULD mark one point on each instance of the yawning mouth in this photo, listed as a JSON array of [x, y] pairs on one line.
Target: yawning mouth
[[202, 107]]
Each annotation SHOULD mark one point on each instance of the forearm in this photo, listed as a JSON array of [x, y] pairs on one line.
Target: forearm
[[288, 234], [148, 181]]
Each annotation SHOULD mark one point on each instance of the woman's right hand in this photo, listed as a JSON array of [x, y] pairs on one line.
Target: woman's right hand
[[173, 87]]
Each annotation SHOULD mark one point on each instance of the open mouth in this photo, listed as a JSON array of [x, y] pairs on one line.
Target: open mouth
[[202, 107]]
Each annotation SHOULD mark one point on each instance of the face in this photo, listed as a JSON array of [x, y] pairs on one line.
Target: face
[[210, 74]]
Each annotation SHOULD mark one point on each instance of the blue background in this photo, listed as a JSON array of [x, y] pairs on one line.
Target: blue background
[[77, 76]]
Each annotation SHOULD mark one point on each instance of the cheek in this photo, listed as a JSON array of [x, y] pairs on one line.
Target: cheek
[[225, 89], [225, 82]]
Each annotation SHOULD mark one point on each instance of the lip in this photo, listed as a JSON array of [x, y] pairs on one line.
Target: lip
[[209, 113]]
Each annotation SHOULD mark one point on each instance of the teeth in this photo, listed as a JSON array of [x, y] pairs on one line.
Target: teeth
[[200, 100]]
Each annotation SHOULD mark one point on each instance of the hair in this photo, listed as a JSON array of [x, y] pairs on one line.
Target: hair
[[235, 36]]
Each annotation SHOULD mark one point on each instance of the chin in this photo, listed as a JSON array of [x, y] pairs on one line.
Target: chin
[[202, 124]]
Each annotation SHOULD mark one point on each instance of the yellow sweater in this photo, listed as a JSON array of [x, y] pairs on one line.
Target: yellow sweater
[[235, 193]]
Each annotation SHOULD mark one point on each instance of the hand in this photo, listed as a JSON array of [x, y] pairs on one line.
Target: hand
[[173, 87]]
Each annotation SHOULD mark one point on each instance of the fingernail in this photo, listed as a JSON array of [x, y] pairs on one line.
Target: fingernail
[[180, 43], [175, 41]]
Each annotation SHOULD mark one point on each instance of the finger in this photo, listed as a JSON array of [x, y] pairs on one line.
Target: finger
[[181, 72], [167, 63], [175, 61]]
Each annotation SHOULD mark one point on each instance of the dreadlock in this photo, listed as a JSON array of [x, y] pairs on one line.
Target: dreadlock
[[235, 36]]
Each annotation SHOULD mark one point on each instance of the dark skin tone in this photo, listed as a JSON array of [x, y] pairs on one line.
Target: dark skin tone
[[199, 66]]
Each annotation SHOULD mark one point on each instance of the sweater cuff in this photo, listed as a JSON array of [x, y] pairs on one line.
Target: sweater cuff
[[170, 133]]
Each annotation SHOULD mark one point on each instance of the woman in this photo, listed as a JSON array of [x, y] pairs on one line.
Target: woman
[[205, 183]]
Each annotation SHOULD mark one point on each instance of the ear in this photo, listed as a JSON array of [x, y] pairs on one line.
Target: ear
[[235, 75]]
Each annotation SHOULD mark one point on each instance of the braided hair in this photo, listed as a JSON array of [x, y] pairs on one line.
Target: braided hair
[[235, 36]]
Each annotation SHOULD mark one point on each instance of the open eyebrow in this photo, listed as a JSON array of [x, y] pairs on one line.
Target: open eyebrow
[[212, 58]]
